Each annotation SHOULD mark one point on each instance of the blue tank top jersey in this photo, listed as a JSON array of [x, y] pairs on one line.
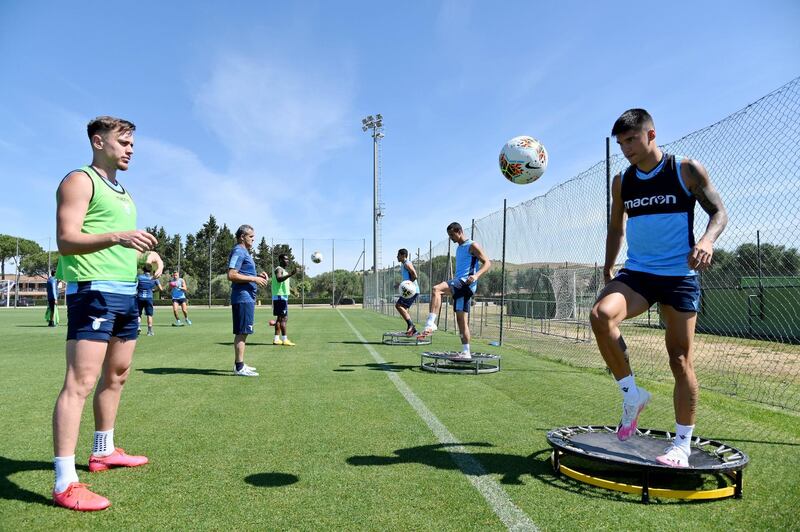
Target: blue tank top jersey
[[145, 285], [406, 275], [466, 264], [660, 224], [241, 261], [178, 293]]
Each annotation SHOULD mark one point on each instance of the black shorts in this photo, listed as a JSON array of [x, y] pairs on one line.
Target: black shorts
[[96, 315], [680, 292], [407, 302], [462, 294], [280, 308], [146, 306]]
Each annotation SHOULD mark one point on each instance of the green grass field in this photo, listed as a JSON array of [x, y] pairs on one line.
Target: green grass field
[[324, 438]]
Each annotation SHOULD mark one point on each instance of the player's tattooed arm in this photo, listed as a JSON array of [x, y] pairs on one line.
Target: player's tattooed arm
[[707, 196], [698, 182]]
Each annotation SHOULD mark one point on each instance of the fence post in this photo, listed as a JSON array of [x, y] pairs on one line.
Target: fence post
[[503, 275], [608, 181], [333, 272], [449, 275]]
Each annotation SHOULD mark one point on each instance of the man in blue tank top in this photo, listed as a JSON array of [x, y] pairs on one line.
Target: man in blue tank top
[[471, 263], [653, 208], [146, 284], [179, 301], [403, 304]]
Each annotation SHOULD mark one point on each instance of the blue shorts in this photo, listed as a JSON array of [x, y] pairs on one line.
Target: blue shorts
[[244, 317], [280, 308], [679, 292], [406, 302], [462, 294], [180, 301], [96, 315], [146, 306]]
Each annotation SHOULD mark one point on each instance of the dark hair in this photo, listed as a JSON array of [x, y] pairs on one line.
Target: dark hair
[[104, 124], [147, 268], [632, 119], [403, 252], [455, 227], [242, 230], [283, 255]]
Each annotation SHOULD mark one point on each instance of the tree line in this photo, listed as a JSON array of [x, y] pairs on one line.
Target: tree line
[[202, 260]]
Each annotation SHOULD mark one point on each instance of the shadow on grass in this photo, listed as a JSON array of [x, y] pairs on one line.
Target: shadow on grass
[[229, 344], [271, 480], [45, 326], [11, 491], [343, 370], [387, 366], [349, 342], [187, 371], [511, 467]]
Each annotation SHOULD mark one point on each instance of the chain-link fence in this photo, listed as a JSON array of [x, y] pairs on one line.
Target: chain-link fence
[[748, 341]]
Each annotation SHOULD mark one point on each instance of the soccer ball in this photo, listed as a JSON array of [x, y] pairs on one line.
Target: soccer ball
[[316, 257], [523, 160], [408, 289]]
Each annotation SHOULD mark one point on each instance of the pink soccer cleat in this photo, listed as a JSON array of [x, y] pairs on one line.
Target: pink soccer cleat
[[116, 459], [78, 497]]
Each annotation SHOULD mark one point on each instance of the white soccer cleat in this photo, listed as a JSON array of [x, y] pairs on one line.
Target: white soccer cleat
[[463, 356], [429, 329], [630, 415], [674, 456], [251, 368], [245, 372]]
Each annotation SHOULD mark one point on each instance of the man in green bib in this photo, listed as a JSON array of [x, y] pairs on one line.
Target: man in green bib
[[100, 250], [280, 300]]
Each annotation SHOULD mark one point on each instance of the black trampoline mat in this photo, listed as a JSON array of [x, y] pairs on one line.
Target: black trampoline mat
[[638, 450]]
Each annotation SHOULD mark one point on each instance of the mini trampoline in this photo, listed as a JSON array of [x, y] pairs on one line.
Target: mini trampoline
[[401, 338], [449, 362], [594, 452]]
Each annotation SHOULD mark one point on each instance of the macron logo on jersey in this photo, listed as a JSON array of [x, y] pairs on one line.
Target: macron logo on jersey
[[669, 199]]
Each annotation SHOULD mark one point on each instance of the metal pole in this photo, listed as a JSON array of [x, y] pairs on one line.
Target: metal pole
[[303, 274], [375, 208], [333, 272], [16, 275], [49, 260], [430, 274], [503, 275], [364, 272], [471, 301], [209, 270], [418, 261], [608, 181], [449, 275]]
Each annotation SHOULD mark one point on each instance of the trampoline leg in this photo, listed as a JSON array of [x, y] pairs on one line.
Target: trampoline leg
[[646, 487], [557, 462], [737, 491]]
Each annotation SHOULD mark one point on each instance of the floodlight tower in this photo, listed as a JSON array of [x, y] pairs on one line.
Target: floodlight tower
[[375, 123]]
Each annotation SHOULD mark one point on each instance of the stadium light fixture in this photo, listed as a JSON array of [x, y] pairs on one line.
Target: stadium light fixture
[[376, 125]]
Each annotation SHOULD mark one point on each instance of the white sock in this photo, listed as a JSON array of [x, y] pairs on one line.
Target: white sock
[[103, 443], [431, 319], [277, 337], [65, 472], [627, 385], [683, 436], [283, 338], [465, 348]]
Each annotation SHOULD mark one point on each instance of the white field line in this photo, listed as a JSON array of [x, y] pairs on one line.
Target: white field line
[[499, 501]]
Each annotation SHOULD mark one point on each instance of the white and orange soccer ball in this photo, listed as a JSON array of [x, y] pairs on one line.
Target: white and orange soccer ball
[[523, 160], [408, 289]]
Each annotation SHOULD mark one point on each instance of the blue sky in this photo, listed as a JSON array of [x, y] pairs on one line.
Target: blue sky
[[251, 110]]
